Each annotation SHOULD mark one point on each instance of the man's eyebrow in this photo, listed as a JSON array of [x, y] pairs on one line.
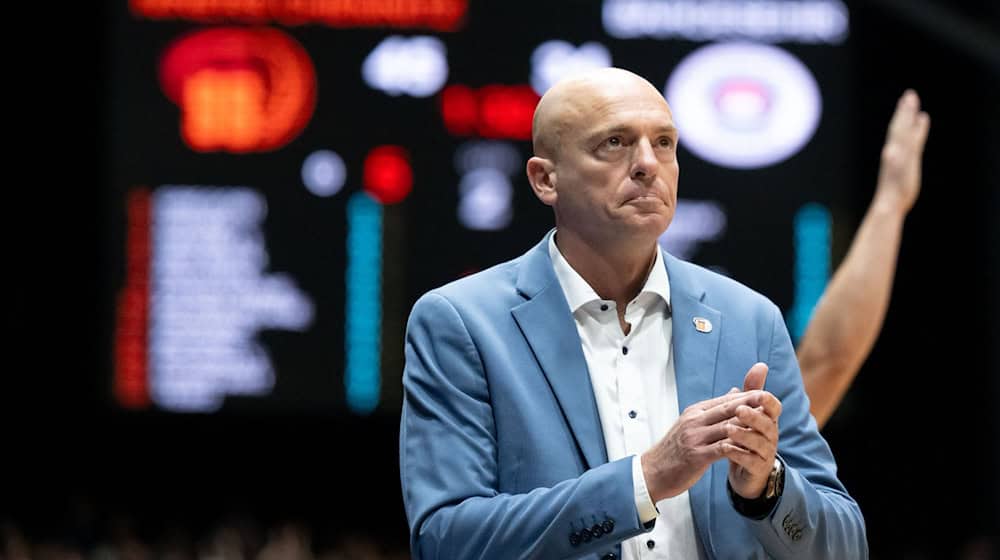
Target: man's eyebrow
[[668, 128], [618, 129], [602, 133]]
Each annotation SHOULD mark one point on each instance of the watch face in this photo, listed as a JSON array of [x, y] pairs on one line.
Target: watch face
[[778, 474]]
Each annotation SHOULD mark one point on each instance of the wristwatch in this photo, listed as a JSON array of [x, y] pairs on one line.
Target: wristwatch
[[760, 507], [775, 481]]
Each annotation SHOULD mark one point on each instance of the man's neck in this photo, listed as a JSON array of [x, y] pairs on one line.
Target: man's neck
[[615, 271]]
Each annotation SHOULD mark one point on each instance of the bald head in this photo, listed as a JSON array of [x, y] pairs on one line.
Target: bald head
[[605, 160], [572, 100]]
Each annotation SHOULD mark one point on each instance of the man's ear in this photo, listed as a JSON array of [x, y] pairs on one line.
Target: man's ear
[[542, 176]]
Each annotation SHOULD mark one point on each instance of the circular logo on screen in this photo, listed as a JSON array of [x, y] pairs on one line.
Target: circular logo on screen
[[743, 105]]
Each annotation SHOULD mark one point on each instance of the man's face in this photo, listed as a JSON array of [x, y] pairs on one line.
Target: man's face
[[616, 166]]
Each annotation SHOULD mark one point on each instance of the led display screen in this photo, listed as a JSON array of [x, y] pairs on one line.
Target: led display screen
[[285, 179]]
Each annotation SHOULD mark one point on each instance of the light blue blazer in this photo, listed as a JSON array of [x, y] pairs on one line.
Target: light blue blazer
[[501, 449]]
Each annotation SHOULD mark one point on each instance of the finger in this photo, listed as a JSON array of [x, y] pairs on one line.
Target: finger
[[722, 449], [708, 435], [752, 441], [922, 127], [761, 399], [899, 116], [727, 409], [909, 104], [756, 419], [745, 458], [716, 401], [902, 118], [755, 377], [770, 403]]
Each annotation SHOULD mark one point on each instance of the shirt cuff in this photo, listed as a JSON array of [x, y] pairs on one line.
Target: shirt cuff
[[643, 502]]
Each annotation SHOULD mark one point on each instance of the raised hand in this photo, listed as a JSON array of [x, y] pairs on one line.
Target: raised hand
[[899, 173]]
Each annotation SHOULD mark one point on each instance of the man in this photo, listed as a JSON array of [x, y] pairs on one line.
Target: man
[[578, 401], [849, 316]]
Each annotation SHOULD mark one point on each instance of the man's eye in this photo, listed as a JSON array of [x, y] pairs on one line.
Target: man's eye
[[666, 142], [614, 141]]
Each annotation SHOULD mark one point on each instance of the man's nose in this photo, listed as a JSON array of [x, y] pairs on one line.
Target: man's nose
[[644, 161]]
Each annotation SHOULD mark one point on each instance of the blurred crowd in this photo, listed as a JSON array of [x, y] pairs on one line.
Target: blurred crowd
[[237, 538], [242, 538]]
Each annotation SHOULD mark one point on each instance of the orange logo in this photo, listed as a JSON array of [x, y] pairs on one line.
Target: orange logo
[[239, 89]]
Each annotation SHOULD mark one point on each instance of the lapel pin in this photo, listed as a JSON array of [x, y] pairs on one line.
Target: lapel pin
[[702, 324]]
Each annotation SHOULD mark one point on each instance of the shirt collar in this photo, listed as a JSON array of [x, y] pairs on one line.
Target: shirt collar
[[578, 291]]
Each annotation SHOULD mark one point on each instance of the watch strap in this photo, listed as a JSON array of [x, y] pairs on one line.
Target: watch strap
[[762, 506]]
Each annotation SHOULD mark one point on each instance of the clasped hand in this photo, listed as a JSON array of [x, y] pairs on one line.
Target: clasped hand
[[741, 426]]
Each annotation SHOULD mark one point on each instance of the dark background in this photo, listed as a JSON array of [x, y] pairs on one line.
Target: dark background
[[916, 438]]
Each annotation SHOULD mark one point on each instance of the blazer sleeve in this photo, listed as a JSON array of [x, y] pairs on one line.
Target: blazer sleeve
[[448, 462], [815, 517]]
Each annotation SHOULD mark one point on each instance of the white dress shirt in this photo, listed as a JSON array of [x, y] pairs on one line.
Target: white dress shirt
[[636, 392]]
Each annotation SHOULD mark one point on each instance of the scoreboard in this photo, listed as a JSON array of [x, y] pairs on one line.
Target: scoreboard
[[285, 178]]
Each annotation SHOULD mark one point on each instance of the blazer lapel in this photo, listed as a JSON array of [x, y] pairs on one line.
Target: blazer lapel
[[695, 354], [549, 328]]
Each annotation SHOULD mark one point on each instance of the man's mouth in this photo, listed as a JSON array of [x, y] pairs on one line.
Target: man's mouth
[[644, 199]]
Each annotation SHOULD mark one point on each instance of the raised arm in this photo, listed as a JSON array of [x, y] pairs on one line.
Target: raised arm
[[849, 316]]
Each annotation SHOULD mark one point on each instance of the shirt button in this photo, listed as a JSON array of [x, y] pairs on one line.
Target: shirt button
[[632, 414], [650, 544], [625, 350], [604, 307]]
